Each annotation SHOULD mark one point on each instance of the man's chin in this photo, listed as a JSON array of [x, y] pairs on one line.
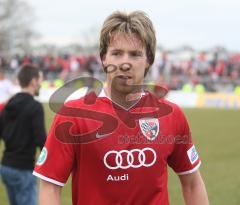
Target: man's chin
[[126, 89], [36, 93]]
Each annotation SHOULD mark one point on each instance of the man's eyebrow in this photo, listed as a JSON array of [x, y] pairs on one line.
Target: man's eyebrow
[[115, 49], [136, 51], [131, 51]]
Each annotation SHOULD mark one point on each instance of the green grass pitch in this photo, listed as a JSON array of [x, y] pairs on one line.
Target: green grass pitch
[[217, 138]]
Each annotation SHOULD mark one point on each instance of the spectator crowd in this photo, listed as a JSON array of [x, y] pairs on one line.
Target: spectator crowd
[[214, 71]]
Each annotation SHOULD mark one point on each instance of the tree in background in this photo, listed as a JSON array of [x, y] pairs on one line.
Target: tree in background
[[16, 27]]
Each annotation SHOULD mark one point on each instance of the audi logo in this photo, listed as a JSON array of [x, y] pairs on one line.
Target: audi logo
[[119, 157]]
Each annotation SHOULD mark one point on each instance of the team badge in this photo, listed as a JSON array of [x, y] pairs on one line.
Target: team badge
[[42, 157], [149, 127]]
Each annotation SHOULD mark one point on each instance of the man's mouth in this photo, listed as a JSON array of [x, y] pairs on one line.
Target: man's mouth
[[124, 77]]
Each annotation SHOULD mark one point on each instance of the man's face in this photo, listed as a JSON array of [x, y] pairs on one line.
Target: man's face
[[37, 84], [128, 53]]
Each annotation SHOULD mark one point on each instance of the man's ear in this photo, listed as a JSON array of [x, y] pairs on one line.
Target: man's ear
[[104, 60], [147, 65], [104, 63], [146, 69], [33, 82]]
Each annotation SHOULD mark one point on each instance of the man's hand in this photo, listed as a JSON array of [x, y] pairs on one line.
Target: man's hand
[[193, 188]]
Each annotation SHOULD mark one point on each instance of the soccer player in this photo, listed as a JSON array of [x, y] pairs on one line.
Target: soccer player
[[117, 148], [22, 130]]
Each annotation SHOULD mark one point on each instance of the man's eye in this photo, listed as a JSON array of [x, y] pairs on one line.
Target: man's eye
[[136, 54], [116, 54]]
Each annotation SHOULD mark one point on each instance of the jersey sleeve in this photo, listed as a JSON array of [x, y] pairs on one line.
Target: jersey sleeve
[[184, 158], [56, 160]]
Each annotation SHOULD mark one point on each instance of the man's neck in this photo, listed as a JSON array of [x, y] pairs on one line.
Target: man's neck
[[123, 99], [28, 90]]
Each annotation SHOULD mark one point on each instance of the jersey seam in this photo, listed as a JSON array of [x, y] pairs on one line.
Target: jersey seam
[[190, 171], [48, 179]]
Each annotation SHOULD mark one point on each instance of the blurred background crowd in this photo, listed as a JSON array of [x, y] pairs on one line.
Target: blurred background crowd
[[215, 70]]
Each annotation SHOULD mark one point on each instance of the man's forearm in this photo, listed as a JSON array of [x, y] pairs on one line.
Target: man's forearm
[[196, 195], [49, 194], [193, 188]]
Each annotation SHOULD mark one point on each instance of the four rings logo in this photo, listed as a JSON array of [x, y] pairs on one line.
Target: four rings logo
[[134, 158]]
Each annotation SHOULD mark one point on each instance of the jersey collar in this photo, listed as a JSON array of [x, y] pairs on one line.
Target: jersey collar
[[104, 95]]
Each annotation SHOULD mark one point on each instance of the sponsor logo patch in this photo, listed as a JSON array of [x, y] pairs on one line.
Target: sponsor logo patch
[[42, 157], [192, 154], [125, 159]]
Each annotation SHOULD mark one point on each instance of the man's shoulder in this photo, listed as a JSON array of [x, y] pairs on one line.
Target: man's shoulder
[[35, 106], [163, 102], [174, 106], [87, 101]]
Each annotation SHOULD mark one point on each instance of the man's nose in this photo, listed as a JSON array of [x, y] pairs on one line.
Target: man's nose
[[125, 66], [125, 58]]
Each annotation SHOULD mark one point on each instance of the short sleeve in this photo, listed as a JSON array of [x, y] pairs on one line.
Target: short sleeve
[[56, 160], [184, 158]]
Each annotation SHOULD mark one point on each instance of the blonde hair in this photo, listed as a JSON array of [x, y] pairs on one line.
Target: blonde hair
[[136, 22]]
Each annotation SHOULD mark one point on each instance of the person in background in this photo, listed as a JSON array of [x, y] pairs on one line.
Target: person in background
[[22, 130]]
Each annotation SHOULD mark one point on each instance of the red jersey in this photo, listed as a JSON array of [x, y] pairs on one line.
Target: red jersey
[[123, 155], [2, 105]]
